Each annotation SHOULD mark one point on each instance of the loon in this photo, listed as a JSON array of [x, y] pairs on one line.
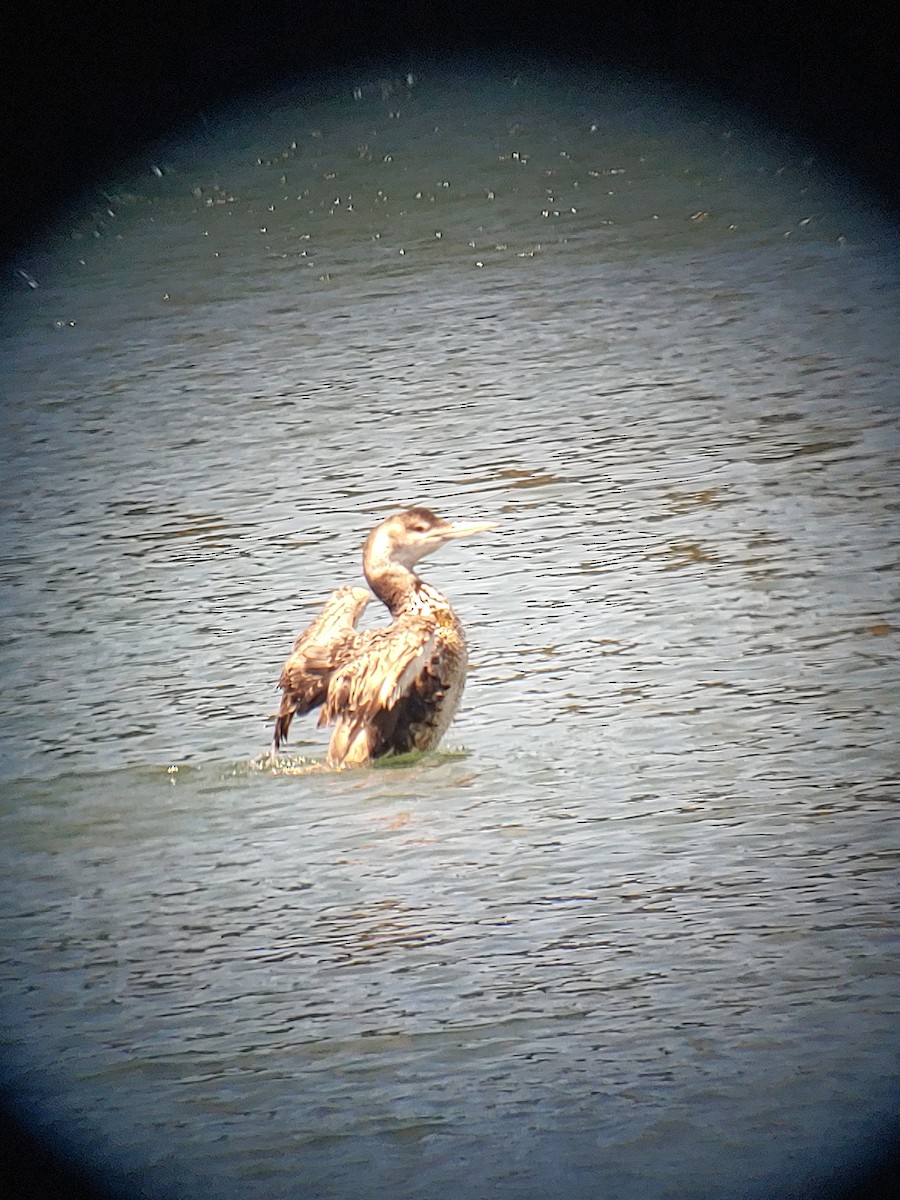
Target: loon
[[387, 690]]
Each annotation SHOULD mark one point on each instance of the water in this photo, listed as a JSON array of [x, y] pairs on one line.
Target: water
[[633, 931]]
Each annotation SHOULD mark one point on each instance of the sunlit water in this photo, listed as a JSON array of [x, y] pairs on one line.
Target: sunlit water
[[633, 932]]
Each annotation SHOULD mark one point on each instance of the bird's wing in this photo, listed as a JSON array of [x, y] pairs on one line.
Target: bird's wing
[[382, 671], [317, 653]]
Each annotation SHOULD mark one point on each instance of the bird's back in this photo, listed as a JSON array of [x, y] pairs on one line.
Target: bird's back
[[400, 688]]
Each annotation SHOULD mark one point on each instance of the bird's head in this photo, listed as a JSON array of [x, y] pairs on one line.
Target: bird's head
[[408, 536]]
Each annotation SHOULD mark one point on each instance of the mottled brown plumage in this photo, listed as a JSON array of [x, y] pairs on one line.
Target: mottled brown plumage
[[328, 641], [387, 690]]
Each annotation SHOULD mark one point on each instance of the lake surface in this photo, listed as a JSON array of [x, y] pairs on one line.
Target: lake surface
[[633, 931]]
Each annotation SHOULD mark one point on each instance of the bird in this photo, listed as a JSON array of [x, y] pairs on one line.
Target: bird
[[388, 690]]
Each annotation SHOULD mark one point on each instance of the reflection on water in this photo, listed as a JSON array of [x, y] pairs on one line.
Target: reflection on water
[[634, 933]]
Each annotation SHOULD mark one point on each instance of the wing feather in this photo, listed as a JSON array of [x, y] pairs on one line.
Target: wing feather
[[382, 672], [317, 653]]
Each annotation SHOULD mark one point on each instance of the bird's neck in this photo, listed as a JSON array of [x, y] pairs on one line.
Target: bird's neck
[[393, 584]]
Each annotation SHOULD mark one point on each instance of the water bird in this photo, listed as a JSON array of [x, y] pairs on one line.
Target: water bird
[[387, 690]]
